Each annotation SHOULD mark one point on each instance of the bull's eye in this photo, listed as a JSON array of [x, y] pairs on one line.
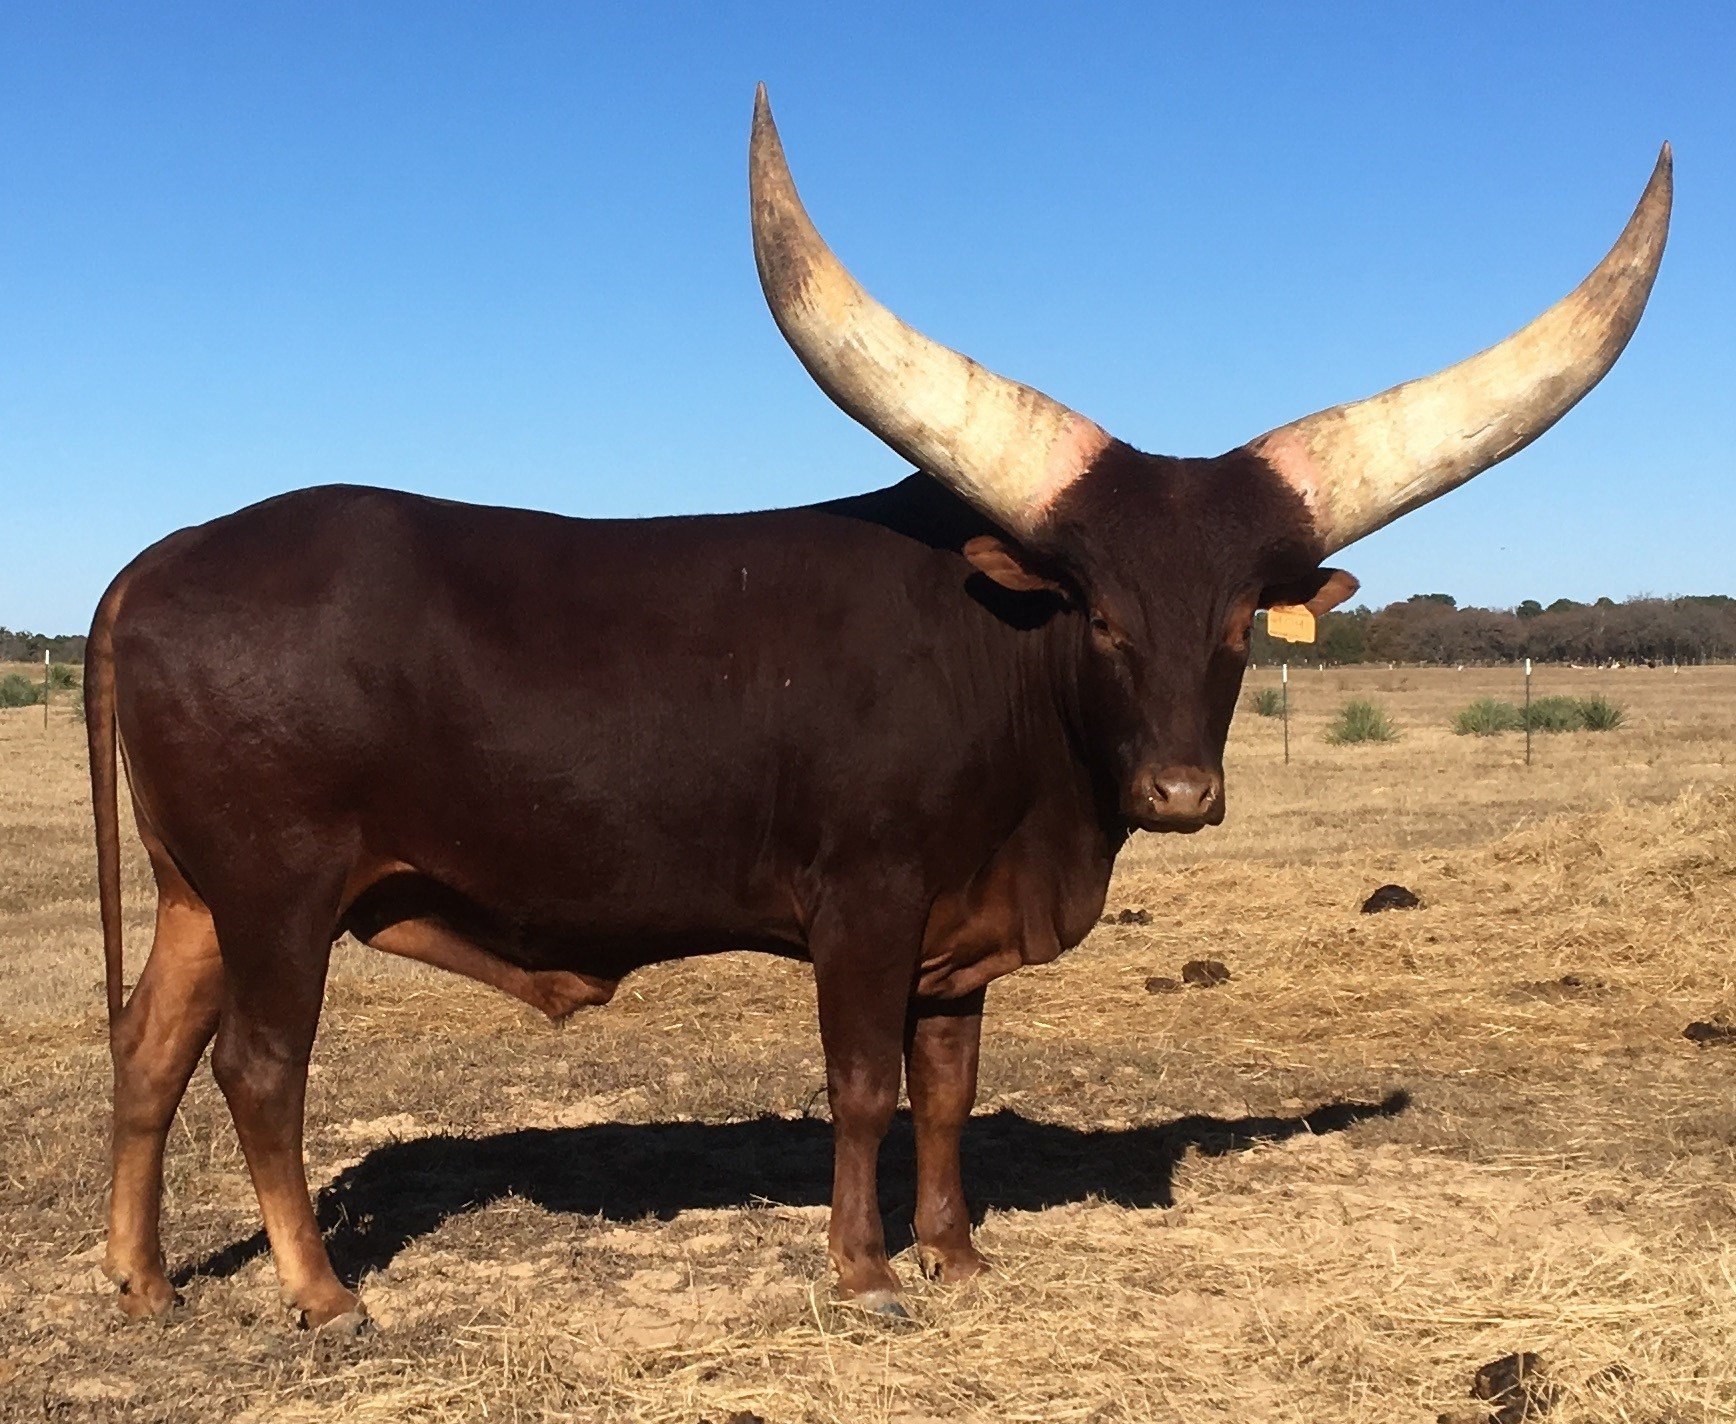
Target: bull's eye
[[1108, 637]]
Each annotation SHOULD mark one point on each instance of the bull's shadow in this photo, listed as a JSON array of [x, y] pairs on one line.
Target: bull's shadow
[[627, 1171]]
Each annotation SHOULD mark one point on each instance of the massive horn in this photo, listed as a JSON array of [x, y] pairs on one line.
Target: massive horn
[[1005, 447], [1361, 466]]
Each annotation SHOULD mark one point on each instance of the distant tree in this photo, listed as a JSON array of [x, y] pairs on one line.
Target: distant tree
[[1425, 629], [1342, 637], [18, 647]]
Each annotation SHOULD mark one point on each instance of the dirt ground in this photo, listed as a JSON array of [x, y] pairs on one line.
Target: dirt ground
[[1388, 1150]]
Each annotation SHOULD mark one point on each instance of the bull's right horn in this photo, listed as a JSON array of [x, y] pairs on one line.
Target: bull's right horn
[[1360, 466], [1008, 449]]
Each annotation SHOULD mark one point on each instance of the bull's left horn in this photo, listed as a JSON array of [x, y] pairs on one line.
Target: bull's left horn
[[1005, 447], [1361, 466]]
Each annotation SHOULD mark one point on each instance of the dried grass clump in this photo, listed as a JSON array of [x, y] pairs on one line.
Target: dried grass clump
[[1486, 717], [1553, 714], [1633, 860], [1267, 702], [1599, 714], [16, 690], [1361, 721]]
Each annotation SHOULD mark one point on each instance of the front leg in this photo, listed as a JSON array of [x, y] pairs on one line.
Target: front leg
[[941, 1044], [864, 967]]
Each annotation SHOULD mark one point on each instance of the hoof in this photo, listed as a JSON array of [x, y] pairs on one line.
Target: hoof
[[147, 1299], [880, 1302], [351, 1325], [344, 1317], [950, 1270]]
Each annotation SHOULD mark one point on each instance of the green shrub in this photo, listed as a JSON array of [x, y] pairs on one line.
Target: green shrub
[[1267, 702], [63, 678], [16, 690], [1360, 721], [1554, 714], [1485, 717], [1599, 714]]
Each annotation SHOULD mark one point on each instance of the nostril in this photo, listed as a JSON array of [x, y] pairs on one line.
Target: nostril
[[1187, 793]]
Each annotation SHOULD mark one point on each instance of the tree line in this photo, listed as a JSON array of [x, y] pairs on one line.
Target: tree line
[[29, 647], [1432, 628]]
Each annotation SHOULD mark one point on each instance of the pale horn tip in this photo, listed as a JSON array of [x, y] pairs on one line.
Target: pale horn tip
[[1661, 186]]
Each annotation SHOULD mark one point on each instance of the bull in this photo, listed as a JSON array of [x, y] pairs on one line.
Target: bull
[[902, 736]]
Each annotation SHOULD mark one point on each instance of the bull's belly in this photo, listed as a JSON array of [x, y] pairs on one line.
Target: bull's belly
[[557, 964]]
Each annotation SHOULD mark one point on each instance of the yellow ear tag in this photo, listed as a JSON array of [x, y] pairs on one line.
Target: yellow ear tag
[[1290, 621]]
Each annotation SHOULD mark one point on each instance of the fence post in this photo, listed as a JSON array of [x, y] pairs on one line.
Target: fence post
[[1527, 711], [47, 682], [1286, 684]]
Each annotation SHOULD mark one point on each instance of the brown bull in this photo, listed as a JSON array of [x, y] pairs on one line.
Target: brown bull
[[901, 736]]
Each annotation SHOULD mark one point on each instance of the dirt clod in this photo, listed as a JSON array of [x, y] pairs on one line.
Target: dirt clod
[[1706, 1034], [1133, 916], [741, 1416], [1163, 984], [1391, 897], [1205, 973], [1517, 1385]]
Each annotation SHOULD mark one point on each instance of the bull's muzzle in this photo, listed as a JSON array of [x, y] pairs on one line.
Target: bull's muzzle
[[1175, 798]]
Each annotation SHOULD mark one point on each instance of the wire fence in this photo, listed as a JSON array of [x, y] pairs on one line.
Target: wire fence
[[1525, 699]]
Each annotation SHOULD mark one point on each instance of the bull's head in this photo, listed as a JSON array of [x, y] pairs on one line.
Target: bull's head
[[1165, 561]]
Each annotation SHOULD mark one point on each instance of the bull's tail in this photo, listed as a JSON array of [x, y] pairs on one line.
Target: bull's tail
[[99, 724]]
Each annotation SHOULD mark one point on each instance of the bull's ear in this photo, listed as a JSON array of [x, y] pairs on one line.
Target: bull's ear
[[1320, 592], [1006, 566]]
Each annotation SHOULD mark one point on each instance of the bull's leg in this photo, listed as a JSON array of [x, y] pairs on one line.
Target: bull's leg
[[274, 981], [864, 976], [941, 1042], [156, 1043], [553, 992]]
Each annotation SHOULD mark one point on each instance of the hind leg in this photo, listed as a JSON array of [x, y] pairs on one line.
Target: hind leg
[[275, 962], [155, 1044]]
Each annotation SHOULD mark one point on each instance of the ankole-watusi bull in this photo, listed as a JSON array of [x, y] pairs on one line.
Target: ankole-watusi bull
[[902, 736]]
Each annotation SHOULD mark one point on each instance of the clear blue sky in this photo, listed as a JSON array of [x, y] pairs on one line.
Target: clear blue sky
[[500, 253]]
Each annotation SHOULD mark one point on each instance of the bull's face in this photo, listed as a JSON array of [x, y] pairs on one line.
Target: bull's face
[[1159, 671], [1161, 565]]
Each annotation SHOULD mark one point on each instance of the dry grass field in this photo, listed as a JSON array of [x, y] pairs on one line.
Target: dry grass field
[[1387, 1151]]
